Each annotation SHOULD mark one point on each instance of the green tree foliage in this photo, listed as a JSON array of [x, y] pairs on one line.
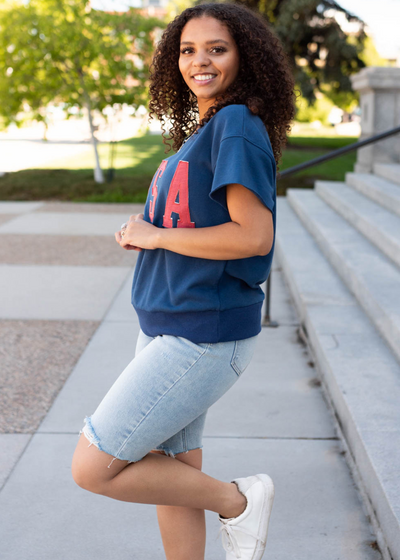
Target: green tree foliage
[[318, 111], [370, 55], [322, 54], [64, 51], [175, 7]]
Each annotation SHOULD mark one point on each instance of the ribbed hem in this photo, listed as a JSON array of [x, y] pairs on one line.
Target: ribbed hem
[[204, 326]]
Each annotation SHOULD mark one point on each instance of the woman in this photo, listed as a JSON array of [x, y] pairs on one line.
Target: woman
[[205, 242]]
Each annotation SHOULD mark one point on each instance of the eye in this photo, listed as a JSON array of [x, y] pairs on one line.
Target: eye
[[221, 49]]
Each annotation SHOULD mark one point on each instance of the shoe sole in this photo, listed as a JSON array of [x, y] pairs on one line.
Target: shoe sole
[[266, 512]]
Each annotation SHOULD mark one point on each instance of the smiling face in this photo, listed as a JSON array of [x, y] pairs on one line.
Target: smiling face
[[207, 48]]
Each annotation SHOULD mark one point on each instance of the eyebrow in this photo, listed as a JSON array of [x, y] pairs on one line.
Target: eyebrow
[[207, 42]]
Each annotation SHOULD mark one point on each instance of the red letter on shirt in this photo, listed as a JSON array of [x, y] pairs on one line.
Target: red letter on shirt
[[154, 190], [179, 184]]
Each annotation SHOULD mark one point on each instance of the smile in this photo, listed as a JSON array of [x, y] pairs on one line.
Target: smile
[[203, 81]]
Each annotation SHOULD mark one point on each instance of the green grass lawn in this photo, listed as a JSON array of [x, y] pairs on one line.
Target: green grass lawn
[[136, 160], [301, 149]]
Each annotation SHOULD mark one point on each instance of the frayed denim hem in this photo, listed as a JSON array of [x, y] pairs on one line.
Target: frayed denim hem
[[91, 436], [170, 453]]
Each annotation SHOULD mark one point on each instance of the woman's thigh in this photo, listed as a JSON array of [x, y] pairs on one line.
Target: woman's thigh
[[188, 438], [160, 399]]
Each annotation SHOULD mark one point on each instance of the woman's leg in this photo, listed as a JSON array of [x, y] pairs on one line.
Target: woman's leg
[[183, 529], [167, 386], [154, 479]]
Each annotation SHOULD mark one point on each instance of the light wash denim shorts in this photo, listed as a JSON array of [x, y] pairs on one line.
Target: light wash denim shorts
[[161, 398]]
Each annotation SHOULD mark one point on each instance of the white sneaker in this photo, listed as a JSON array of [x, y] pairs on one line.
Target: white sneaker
[[245, 536]]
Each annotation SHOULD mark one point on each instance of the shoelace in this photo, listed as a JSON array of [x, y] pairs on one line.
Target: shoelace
[[229, 541]]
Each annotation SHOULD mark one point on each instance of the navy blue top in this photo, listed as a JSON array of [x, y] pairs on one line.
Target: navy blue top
[[206, 300]]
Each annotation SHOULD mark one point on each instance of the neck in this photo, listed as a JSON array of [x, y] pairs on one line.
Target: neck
[[204, 105]]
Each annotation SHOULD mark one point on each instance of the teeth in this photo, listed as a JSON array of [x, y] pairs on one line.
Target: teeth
[[204, 76]]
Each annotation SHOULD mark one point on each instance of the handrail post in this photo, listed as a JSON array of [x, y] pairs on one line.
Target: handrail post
[[266, 322], [379, 89]]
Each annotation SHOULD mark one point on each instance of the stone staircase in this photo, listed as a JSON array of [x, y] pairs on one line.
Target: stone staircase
[[339, 248]]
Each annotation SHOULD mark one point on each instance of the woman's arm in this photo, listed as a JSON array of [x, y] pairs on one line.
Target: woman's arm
[[223, 242], [250, 233]]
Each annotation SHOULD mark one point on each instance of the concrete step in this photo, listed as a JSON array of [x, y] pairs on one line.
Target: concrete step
[[385, 192], [369, 274], [389, 171], [377, 224], [359, 372]]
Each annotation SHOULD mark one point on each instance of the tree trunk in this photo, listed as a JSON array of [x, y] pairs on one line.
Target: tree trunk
[[98, 173]]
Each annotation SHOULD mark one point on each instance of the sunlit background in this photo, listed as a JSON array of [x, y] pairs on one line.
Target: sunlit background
[[384, 29], [129, 144]]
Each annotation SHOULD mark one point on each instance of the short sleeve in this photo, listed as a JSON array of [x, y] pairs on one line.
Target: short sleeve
[[240, 161]]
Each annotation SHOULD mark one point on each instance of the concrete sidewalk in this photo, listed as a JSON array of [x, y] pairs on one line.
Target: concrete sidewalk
[[68, 330]]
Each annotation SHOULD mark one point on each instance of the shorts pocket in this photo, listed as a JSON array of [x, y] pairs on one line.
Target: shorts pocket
[[202, 346], [243, 352]]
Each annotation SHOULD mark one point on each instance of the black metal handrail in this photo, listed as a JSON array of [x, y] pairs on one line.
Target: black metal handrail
[[339, 152], [267, 322]]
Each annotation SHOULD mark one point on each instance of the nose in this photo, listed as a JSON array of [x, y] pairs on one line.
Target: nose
[[201, 59]]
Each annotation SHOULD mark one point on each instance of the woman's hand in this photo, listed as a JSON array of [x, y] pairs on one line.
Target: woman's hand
[[139, 234], [127, 247]]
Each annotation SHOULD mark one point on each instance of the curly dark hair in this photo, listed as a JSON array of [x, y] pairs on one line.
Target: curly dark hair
[[264, 83]]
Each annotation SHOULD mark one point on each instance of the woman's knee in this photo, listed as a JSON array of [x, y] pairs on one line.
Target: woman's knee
[[82, 477], [82, 473], [91, 468]]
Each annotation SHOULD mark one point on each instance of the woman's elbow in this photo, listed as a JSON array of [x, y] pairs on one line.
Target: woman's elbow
[[266, 246]]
